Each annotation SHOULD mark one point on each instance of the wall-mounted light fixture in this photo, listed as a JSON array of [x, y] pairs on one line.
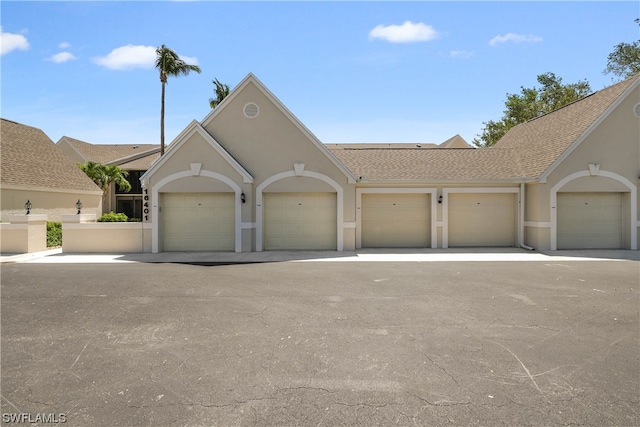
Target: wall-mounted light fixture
[[243, 197], [440, 199], [27, 206], [78, 206]]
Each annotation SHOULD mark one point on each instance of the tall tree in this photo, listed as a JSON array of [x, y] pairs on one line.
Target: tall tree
[[169, 64], [531, 103], [624, 61], [104, 175], [221, 91]]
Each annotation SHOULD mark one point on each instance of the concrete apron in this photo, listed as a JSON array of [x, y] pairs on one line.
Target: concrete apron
[[361, 255]]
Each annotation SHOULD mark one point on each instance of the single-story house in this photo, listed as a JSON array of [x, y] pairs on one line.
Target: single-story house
[[33, 169], [251, 177], [134, 158]]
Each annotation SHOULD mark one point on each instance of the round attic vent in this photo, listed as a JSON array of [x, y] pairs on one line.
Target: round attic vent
[[636, 109], [251, 110]]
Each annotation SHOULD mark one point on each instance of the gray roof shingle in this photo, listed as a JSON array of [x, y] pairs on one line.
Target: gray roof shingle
[[524, 153], [539, 142], [119, 154], [448, 164], [29, 158]]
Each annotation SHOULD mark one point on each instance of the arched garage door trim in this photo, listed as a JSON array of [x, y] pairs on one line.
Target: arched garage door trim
[[564, 181], [185, 174], [309, 174]]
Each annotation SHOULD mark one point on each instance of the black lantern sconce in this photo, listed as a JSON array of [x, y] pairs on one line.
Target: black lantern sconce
[[440, 199], [78, 206], [27, 206], [242, 197]]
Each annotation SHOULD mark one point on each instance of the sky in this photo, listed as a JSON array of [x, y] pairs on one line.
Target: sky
[[409, 72]]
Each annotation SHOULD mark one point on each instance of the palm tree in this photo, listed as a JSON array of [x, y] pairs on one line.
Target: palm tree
[[222, 90], [169, 64], [104, 175]]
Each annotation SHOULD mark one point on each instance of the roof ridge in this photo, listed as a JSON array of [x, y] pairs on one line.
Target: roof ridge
[[637, 76]]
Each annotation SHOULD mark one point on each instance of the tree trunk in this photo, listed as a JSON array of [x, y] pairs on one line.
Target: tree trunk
[[162, 123]]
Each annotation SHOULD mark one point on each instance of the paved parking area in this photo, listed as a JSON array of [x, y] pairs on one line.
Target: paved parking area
[[548, 342]]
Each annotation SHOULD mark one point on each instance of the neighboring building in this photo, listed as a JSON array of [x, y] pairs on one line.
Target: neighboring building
[[135, 158], [252, 177], [33, 168]]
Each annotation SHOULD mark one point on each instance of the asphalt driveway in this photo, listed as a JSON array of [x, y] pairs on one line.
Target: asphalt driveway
[[327, 343]]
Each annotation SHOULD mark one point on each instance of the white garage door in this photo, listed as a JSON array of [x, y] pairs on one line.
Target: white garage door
[[482, 219], [589, 220], [299, 221], [396, 221], [198, 221]]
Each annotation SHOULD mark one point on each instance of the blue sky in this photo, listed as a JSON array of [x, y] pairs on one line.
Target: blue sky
[[350, 71]]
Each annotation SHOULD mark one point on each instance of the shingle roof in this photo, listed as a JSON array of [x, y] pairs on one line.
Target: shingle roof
[[539, 142], [405, 164], [28, 157], [112, 153], [142, 163], [525, 152]]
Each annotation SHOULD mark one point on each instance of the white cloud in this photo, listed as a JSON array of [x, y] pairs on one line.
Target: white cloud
[[128, 57], [189, 60], [461, 54], [10, 42], [405, 33], [515, 38], [64, 45], [61, 57]]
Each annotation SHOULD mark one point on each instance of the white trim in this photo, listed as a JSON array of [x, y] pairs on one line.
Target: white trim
[[470, 190], [543, 177], [391, 190], [248, 225], [537, 224], [251, 78], [553, 201], [155, 190], [193, 128], [351, 224], [308, 174]]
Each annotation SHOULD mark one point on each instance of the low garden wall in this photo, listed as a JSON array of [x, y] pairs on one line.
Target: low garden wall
[[23, 234], [105, 237]]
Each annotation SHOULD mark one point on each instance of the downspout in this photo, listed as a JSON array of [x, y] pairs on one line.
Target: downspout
[[521, 221]]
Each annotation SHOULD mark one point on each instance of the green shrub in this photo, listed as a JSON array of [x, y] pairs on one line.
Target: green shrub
[[113, 217], [54, 234]]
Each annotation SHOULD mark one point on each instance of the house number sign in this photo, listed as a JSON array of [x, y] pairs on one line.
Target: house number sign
[[145, 204]]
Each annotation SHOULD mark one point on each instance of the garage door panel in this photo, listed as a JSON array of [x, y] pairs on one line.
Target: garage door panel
[[476, 220], [198, 221], [589, 220], [396, 220], [298, 221]]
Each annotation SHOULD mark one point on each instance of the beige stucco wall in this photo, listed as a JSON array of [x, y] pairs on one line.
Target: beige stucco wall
[[51, 203], [23, 234], [614, 145], [271, 143], [266, 145], [106, 237]]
